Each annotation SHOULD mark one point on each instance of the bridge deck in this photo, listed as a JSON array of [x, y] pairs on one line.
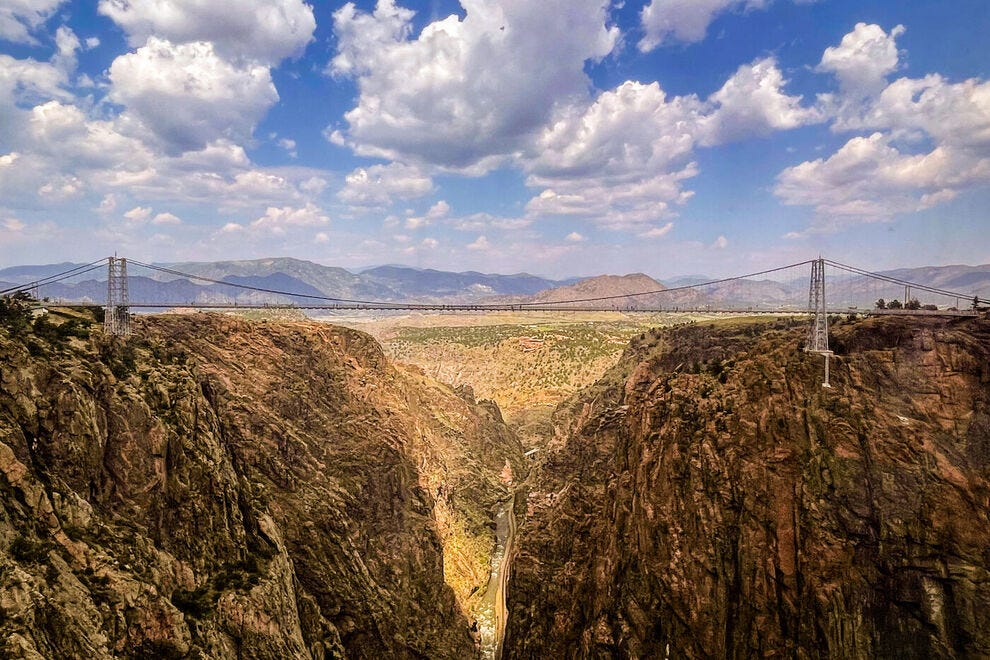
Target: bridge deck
[[515, 308]]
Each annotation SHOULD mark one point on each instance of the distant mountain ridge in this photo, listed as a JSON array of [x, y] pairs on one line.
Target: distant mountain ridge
[[843, 292], [24, 274], [429, 282], [605, 288], [305, 281]]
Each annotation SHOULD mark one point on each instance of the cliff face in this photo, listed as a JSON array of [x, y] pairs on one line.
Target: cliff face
[[708, 498], [217, 488]]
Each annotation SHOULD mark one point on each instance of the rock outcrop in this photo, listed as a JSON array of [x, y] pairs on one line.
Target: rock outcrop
[[218, 488], [709, 498]]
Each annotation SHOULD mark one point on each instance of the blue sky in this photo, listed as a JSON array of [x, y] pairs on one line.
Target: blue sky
[[561, 137]]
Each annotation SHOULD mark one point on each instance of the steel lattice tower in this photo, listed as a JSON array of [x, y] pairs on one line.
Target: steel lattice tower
[[117, 317], [818, 332]]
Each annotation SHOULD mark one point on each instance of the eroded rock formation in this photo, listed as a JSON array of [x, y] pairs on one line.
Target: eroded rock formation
[[708, 498], [218, 488]]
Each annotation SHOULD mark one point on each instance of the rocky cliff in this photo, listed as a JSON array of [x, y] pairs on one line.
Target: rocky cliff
[[709, 498], [217, 488]]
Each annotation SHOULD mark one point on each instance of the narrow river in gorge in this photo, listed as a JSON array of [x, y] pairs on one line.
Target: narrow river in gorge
[[493, 629]]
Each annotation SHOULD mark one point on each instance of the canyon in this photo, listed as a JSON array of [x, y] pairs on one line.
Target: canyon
[[217, 487]]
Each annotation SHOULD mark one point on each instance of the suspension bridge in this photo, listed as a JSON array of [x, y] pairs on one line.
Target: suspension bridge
[[683, 298]]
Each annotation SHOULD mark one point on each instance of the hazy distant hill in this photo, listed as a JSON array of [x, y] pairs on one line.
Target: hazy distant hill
[[415, 282], [971, 280], [16, 275], [139, 288], [273, 282], [327, 280], [603, 286]]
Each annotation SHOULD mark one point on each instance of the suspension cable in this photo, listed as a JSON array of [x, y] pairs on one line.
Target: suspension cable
[[172, 271], [58, 277], [895, 280]]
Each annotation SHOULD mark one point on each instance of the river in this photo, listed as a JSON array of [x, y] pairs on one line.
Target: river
[[492, 624]]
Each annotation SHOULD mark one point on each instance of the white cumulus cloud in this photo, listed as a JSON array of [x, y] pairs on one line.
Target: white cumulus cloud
[[166, 219], [188, 96], [20, 18], [138, 214], [61, 186], [864, 58], [462, 95], [314, 185], [66, 45], [658, 232], [438, 210], [479, 244], [13, 225], [927, 139], [279, 220], [262, 30], [14, 233], [108, 204], [623, 160], [752, 103], [58, 141], [684, 20], [468, 92], [379, 185], [27, 81], [868, 179], [289, 146]]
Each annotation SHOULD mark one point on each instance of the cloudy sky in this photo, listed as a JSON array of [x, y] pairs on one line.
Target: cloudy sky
[[560, 137]]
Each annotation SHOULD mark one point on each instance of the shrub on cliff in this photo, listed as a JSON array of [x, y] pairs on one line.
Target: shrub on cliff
[[198, 603], [120, 357], [26, 549], [15, 312], [57, 334]]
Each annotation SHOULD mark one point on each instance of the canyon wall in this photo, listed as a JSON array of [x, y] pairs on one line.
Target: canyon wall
[[217, 488], [709, 498]]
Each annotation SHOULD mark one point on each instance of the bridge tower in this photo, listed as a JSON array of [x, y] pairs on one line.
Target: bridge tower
[[117, 317], [818, 332]]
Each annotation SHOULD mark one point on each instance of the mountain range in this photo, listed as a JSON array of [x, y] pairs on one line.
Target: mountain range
[[305, 281]]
